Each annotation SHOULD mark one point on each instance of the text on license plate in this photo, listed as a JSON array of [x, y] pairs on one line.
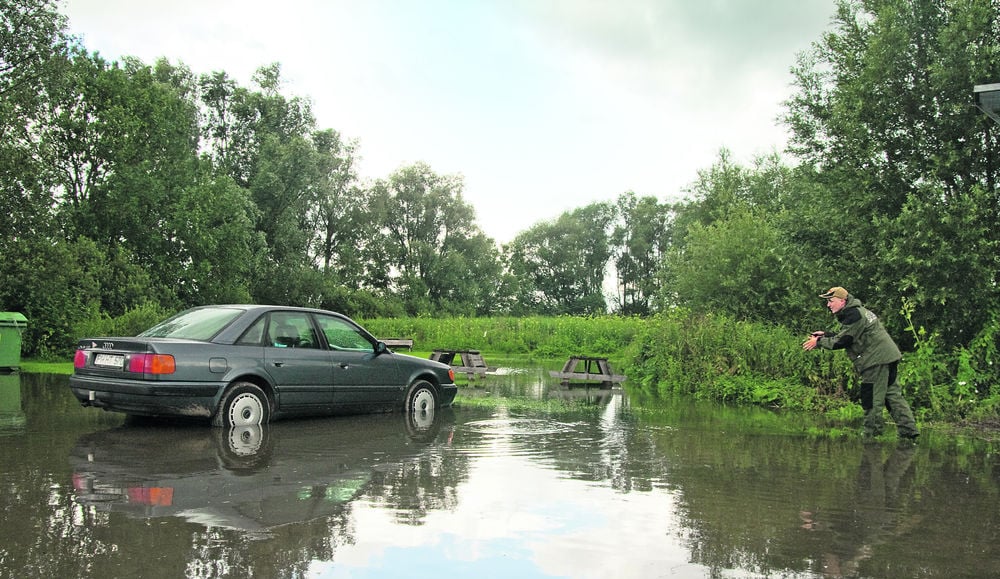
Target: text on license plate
[[109, 360]]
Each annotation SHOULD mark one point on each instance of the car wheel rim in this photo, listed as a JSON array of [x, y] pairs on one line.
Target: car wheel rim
[[246, 410], [422, 410], [245, 440]]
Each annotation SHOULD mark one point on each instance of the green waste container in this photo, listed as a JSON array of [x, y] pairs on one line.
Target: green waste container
[[12, 324]]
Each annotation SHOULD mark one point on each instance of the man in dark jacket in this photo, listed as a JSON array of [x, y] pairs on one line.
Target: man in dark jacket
[[875, 357]]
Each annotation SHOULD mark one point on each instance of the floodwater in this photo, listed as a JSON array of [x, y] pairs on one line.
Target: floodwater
[[523, 478]]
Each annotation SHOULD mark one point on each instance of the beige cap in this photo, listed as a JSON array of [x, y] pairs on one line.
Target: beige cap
[[835, 292]]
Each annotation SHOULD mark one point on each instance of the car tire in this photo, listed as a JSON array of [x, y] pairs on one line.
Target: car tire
[[243, 404], [421, 404]]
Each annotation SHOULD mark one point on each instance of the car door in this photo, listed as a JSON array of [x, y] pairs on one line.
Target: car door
[[359, 376], [294, 356]]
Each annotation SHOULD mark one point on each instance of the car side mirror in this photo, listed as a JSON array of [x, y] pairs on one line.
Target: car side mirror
[[380, 348]]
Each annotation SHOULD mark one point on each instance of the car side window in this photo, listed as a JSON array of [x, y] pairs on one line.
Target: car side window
[[342, 335], [254, 334], [291, 330]]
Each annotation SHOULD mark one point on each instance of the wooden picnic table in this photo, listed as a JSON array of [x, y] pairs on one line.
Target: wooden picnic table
[[594, 369], [469, 362]]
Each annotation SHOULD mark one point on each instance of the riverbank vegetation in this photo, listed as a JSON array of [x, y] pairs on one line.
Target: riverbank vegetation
[[133, 190], [716, 357]]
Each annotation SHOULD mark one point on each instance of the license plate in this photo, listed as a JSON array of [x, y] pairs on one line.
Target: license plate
[[109, 360]]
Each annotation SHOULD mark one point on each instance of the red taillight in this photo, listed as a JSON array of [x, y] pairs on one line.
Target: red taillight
[[151, 364], [79, 359], [451, 374]]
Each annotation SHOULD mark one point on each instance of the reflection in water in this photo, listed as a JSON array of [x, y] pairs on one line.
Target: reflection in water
[[877, 518], [249, 478], [247, 440], [600, 484], [11, 417]]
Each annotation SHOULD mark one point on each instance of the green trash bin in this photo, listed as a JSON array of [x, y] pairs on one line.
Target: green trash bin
[[12, 325]]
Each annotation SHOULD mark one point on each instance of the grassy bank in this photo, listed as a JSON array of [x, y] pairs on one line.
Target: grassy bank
[[38, 367]]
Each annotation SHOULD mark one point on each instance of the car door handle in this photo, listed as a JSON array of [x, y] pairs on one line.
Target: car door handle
[[344, 365], [278, 364]]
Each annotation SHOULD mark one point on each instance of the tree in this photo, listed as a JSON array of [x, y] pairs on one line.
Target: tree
[[57, 285], [882, 120], [639, 242], [338, 216], [732, 248], [32, 34], [121, 143], [302, 181], [33, 48], [561, 265], [440, 259], [742, 266]]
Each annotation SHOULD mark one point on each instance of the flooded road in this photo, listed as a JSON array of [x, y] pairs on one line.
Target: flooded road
[[523, 478]]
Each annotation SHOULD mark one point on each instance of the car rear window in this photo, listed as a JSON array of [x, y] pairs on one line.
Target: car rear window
[[200, 324]]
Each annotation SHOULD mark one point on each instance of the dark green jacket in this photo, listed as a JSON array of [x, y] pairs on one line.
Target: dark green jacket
[[862, 336]]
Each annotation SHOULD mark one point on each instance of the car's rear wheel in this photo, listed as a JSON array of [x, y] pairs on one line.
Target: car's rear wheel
[[243, 404], [421, 403]]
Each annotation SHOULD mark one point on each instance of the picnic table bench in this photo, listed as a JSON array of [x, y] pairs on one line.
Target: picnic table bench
[[399, 343]]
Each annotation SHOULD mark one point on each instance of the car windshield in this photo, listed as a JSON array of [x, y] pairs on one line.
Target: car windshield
[[199, 324]]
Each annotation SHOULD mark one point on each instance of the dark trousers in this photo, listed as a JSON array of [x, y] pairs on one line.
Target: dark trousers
[[879, 388]]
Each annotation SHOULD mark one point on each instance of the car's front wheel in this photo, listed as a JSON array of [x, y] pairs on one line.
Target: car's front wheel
[[243, 404], [421, 403]]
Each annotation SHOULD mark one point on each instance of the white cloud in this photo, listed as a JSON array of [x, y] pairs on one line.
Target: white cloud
[[543, 106]]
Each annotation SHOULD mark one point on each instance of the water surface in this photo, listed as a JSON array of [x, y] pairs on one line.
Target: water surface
[[540, 480]]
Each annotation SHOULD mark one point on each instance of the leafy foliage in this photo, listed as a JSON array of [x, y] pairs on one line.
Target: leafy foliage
[[906, 171], [561, 264], [716, 357], [639, 242]]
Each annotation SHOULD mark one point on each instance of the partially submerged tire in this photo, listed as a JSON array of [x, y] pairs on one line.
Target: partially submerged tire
[[243, 404], [421, 404]]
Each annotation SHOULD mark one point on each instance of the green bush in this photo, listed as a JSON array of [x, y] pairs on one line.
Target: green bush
[[132, 322], [716, 357]]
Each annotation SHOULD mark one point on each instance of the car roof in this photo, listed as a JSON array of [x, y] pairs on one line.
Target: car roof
[[270, 307]]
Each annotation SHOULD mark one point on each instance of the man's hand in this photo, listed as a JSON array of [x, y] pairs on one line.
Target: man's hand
[[811, 342]]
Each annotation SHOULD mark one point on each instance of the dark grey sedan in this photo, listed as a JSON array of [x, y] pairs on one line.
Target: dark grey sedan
[[248, 364]]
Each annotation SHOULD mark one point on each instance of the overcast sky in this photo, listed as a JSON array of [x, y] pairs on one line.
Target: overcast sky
[[542, 106]]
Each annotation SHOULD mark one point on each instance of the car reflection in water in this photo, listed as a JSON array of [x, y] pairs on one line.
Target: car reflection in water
[[250, 478]]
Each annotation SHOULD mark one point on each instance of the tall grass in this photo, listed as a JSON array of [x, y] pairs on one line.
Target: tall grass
[[546, 337], [716, 357]]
